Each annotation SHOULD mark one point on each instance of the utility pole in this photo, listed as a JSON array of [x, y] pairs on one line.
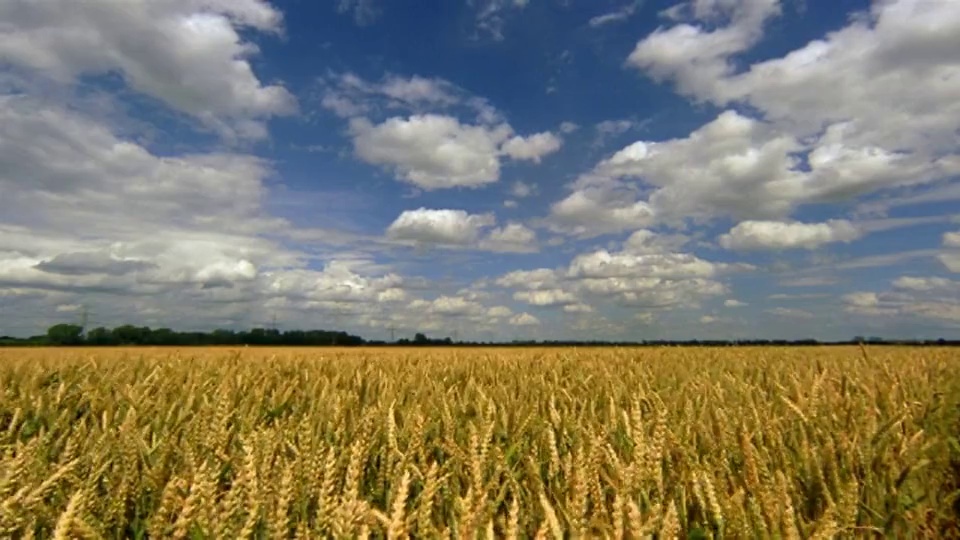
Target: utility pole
[[83, 321], [393, 333]]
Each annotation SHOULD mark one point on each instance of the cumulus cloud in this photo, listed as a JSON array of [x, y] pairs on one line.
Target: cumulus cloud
[[695, 57], [603, 264], [434, 151], [733, 166], [532, 147], [881, 130], [449, 305], [524, 319], [513, 237], [431, 151], [529, 279], [547, 297], [648, 278], [732, 303], [594, 211], [776, 235], [451, 227], [457, 228], [189, 54], [50, 154], [646, 241], [499, 311], [522, 190], [930, 298]]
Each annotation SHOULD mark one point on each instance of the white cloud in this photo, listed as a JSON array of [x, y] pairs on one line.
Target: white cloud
[[459, 229], [790, 312], [933, 299], [578, 308], [862, 299], [418, 89], [697, 58], [731, 166], [524, 319], [148, 222], [444, 227], [431, 151], [339, 282], [189, 54], [603, 264], [875, 103], [532, 147], [951, 261], [594, 211], [547, 297], [776, 235], [491, 15], [76, 172], [612, 128], [924, 284], [708, 319], [521, 190], [567, 127], [540, 278], [733, 303], [620, 15], [645, 241], [348, 95], [649, 279], [499, 311], [449, 305], [513, 237], [609, 129], [951, 239]]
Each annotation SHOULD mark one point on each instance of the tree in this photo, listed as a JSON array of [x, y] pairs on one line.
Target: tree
[[100, 336], [130, 335], [65, 334], [420, 339]]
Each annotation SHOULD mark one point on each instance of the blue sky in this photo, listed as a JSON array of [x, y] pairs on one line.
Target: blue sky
[[497, 169]]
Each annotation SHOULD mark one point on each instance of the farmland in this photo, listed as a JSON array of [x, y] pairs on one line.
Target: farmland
[[444, 442]]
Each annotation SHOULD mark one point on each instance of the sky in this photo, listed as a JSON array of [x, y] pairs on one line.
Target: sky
[[484, 169]]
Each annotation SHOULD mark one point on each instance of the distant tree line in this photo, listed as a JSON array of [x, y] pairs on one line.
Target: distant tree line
[[127, 335], [74, 335]]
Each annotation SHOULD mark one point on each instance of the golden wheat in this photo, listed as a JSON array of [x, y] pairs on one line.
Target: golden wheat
[[514, 443]]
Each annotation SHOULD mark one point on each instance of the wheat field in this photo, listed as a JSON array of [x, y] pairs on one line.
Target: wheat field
[[835, 442]]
